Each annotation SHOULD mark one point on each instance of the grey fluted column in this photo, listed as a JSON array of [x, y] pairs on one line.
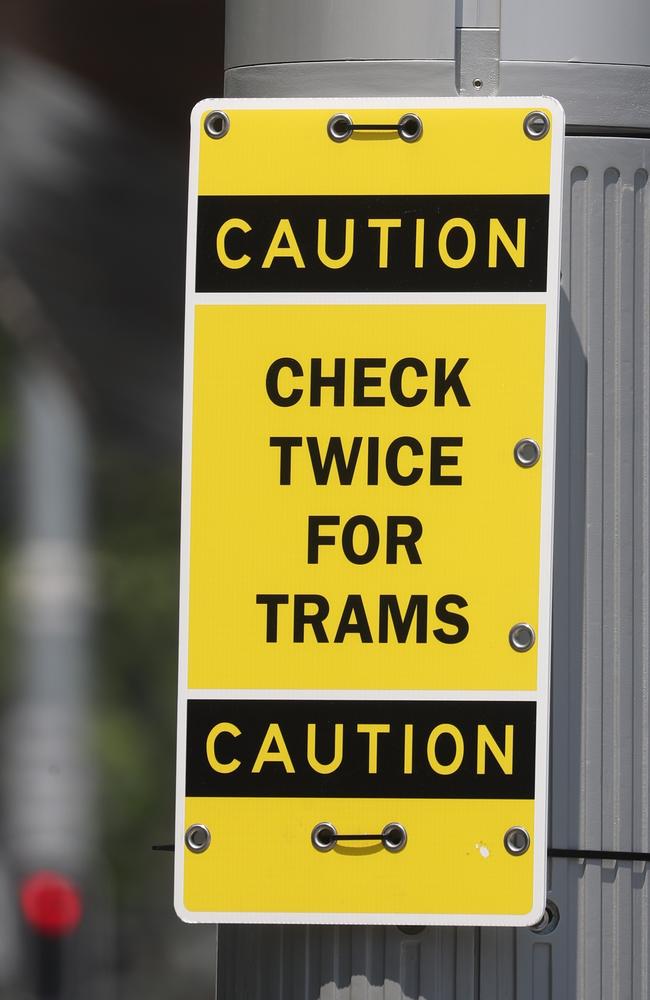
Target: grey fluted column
[[593, 56]]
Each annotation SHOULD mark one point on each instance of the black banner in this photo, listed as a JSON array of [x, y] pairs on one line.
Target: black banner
[[383, 243], [372, 749]]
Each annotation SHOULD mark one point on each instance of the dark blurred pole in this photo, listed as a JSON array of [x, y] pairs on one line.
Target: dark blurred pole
[[49, 980]]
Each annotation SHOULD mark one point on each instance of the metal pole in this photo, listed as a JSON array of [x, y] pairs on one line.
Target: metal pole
[[593, 56]]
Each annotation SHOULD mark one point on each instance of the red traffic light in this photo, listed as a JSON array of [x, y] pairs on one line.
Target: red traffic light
[[51, 903]]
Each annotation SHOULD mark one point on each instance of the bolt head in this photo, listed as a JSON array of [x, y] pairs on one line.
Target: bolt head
[[522, 637], [216, 124], [537, 124], [516, 840], [197, 838]]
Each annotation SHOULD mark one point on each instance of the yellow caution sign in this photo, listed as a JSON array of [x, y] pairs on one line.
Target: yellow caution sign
[[369, 426]]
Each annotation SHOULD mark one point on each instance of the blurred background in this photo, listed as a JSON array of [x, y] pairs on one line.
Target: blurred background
[[94, 109]]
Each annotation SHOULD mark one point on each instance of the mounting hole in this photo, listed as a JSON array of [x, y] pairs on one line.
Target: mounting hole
[[323, 836], [411, 931], [477, 84], [216, 124], [527, 453], [197, 838], [516, 840], [410, 127], [339, 128], [393, 837], [536, 125], [522, 637], [550, 919]]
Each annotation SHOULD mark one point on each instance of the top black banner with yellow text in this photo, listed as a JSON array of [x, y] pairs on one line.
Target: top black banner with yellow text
[[372, 243]]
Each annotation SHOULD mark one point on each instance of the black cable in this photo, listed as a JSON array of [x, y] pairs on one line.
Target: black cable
[[609, 131], [563, 852]]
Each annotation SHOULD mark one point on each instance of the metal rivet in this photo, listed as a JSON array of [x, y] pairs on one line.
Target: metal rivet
[[410, 127], [536, 125], [339, 128], [323, 837], [394, 837], [527, 453], [477, 84], [522, 637], [550, 919], [516, 840], [216, 124], [197, 838]]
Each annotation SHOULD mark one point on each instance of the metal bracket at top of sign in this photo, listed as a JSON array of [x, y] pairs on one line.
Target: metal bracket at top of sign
[[409, 128]]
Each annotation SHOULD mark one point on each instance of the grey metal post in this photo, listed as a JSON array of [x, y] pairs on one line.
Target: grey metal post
[[593, 56], [47, 771], [47, 780]]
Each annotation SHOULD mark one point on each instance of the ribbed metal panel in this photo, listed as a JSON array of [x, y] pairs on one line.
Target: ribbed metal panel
[[600, 769], [599, 783]]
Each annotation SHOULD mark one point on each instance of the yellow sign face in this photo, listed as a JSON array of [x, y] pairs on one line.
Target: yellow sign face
[[367, 513]]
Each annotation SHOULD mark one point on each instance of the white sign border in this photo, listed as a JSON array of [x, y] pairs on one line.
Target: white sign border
[[542, 694]]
